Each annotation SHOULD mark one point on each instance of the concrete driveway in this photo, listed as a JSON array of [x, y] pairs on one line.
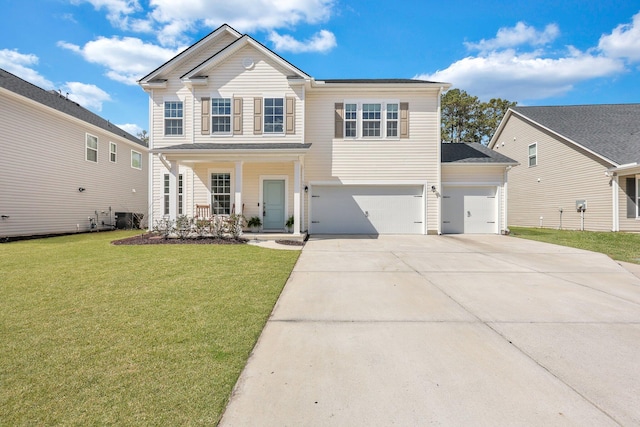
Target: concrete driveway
[[446, 330]]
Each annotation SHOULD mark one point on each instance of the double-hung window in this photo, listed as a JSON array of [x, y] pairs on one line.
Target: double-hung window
[[221, 193], [136, 160], [113, 148], [351, 120], [392, 120], [533, 154], [173, 115], [221, 116], [273, 115], [371, 120], [92, 148]]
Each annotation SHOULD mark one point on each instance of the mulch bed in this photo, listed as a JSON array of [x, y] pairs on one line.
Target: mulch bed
[[154, 239]]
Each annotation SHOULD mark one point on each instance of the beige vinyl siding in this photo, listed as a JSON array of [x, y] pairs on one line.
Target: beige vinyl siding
[[626, 224], [43, 165], [564, 174], [337, 159]]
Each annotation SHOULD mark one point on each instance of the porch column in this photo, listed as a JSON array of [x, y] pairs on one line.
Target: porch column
[[173, 189], [615, 194], [238, 189], [296, 197]]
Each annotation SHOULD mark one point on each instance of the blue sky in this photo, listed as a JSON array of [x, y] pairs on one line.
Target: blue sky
[[535, 52]]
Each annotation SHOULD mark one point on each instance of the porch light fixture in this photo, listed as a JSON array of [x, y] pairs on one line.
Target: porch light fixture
[[306, 188], [81, 189]]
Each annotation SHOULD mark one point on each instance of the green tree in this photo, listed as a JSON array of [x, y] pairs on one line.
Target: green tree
[[466, 119], [143, 136]]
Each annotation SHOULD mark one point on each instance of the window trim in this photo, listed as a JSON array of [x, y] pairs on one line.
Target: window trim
[[264, 114], [87, 148], [354, 120], [534, 156], [165, 118], [138, 153], [166, 185], [113, 152], [384, 120], [231, 188], [230, 115]]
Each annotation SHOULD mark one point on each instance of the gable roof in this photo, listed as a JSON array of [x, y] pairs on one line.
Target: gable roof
[[472, 153], [611, 131], [55, 100]]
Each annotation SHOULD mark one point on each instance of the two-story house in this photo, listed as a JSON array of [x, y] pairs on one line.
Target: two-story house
[[238, 129]]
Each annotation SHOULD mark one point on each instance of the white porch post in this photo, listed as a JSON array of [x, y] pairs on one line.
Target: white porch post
[[296, 197], [173, 189], [615, 194], [238, 189]]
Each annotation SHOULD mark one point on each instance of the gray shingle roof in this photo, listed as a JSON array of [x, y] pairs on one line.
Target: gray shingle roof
[[610, 130], [472, 153], [58, 102]]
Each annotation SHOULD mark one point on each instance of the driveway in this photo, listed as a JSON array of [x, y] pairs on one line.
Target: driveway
[[446, 330]]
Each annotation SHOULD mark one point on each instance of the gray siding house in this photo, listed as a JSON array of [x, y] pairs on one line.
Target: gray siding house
[[580, 166], [63, 169]]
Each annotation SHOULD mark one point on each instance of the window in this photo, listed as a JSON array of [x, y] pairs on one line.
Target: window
[[92, 148], [167, 194], [136, 160], [273, 115], [392, 120], [221, 115], [221, 193], [112, 152], [533, 154], [371, 119], [173, 118], [350, 120]]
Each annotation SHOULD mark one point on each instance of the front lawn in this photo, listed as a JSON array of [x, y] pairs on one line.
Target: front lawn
[[96, 334], [619, 246]]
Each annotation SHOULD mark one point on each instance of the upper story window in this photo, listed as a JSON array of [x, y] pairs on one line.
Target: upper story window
[[173, 115], [533, 154], [273, 115], [113, 148], [136, 160], [221, 116], [372, 120], [92, 148]]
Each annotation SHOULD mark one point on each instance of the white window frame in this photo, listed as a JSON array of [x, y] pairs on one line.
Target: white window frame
[[389, 120], [264, 115], [87, 148], [534, 156], [229, 115], [351, 117], [176, 118], [231, 189], [384, 119], [166, 185], [113, 152], [133, 152]]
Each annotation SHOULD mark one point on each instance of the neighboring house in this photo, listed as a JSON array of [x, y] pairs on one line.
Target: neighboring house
[[63, 169], [580, 166], [238, 129]]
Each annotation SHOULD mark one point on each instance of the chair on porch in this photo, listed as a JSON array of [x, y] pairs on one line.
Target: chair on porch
[[203, 211]]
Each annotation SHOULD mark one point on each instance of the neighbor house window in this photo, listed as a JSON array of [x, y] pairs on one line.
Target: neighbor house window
[[350, 120], [221, 115], [112, 152], [221, 193], [167, 193], [173, 115], [273, 115], [371, 120], [92, 148], [136, 160], [533, 154], [392, 120]]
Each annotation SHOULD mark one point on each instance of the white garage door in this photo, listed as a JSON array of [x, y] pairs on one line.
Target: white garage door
[[469, 210], [366, 209]]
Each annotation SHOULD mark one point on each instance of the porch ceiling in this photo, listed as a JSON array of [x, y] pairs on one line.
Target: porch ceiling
[[233, 152]]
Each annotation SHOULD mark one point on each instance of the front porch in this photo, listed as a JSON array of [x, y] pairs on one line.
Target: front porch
[[260, 181]]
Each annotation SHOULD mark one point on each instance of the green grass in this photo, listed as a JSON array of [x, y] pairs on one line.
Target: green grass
[[96, 334], [619, 246]]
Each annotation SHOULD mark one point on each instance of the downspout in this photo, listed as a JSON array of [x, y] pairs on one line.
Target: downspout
[[439, 163], [615, 195], [505, 205]]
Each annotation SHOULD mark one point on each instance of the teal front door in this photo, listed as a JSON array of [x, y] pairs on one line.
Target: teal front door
[[273, 204]]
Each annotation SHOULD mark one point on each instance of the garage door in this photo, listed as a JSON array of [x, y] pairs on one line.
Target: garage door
[[367, 209], [469, 210]]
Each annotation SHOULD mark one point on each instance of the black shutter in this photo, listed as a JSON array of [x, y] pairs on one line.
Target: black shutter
[[631, 198]]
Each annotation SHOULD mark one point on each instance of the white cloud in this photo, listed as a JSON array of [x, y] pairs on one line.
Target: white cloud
[[127, 59], [322, 41], [521, 34], [89, 96], [624, 41], [117, 10], [133, 129], [21, 64]]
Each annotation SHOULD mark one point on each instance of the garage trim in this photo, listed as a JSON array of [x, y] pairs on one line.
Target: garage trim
[[375, 183]]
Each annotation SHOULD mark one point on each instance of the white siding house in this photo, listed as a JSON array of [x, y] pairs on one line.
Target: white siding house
[[237, 129], [63, 169]]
